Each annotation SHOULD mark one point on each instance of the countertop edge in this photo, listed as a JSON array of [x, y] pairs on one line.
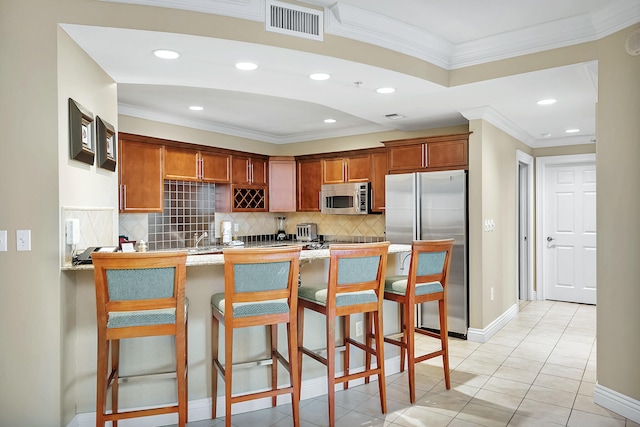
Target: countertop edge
[[218, 259]]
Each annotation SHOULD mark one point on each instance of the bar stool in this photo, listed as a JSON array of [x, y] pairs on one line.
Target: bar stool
[[260, 289], [139, 295], [355, 285], [426, 281]]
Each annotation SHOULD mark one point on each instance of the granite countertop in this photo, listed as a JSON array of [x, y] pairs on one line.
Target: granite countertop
[[205, 259]]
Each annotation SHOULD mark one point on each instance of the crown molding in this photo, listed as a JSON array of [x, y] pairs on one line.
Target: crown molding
[[490, 115], [358, 24], [143, 113]]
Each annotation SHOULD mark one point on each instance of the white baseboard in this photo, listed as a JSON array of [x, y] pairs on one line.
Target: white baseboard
[[617, 402], [201, 409], [483, 335]]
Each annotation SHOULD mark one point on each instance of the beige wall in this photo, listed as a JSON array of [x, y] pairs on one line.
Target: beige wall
[[492, 196], [35, 321], [618, 214]]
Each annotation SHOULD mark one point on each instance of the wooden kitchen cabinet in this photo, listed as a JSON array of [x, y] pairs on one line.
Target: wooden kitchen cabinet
[[282, 184], [140, 175], [309, 185], [428, 153], [347, 169], [379, 169], [248, 170], [186, 164]]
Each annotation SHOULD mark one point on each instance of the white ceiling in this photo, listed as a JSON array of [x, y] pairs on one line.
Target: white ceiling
[[278, 103]]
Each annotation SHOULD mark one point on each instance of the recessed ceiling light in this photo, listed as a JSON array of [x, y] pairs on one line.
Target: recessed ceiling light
[[196, 108], [546, 135], [386, 89], [166, 54], [246, 66], [546, 101], [329, 120], [319, 76], [572, 131]]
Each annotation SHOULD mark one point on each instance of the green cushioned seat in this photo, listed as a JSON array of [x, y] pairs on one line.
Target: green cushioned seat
[[248, 309], [398, 285], [318, 294], [123, 319]]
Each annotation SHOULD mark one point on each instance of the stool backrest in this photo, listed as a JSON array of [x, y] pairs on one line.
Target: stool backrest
[[139, 294], [430, 262], [356, 276], [260, 275]]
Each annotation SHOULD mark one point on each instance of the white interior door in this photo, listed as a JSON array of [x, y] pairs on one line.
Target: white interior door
[[569, 245]]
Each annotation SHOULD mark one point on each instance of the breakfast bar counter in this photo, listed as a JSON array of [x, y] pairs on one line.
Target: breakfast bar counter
[[205, 276]]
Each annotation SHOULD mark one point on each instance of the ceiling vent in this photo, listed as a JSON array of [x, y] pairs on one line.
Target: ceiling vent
[[297, 21], [394, 116]]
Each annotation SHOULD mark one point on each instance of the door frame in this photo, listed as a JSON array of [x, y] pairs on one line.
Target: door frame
[[525, 159], [541, 170]]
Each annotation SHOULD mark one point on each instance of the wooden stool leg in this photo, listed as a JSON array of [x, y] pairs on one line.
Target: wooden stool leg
[[115, 367], [331, 368], [409, 334], [102, 368], [403, 329], [181, 362], [273, 345], [294, 374], [380, 359], [228, 373], [215, 329], [346, 355], [368, 327], [300, 322], [444, 339]]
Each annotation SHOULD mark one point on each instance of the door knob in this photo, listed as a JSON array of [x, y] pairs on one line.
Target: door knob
[[549, 238]]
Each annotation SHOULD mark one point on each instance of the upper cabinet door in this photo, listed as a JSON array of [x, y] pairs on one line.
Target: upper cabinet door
[[347, 169], [407, 158], [181, 164], [248, 171], [333, 171], [215, 167], [309, 185], [282, 185], [358, 168], [141, 184]]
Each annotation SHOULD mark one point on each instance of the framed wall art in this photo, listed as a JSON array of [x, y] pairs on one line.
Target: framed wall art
[[106, 144], [81, 141]]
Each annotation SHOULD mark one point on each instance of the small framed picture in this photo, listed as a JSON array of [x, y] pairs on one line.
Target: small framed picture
[[106, 138], [81, 143]]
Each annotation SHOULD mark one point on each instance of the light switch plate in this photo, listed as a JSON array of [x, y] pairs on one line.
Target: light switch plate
[[23, 240], [3, 240]]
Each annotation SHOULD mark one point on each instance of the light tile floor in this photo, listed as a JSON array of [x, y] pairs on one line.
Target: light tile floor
[[539, 370]]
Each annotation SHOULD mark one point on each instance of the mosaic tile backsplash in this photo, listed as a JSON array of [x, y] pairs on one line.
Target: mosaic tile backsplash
[[190, 210], [96, 229]]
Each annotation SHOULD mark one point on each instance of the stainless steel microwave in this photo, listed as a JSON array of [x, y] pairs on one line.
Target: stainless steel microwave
[[351, 198]]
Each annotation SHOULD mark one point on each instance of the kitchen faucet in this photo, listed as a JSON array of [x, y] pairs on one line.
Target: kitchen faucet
[[198, 239]]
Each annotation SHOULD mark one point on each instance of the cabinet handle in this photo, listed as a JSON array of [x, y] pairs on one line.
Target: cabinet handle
[[201, 168], [124, 197], [425, 149], [251, 173], [120, 196], [344, 171]]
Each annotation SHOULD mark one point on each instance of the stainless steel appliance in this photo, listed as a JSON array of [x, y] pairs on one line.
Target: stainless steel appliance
[[280, 233], [350, 198], [307, 232], [429, 206]]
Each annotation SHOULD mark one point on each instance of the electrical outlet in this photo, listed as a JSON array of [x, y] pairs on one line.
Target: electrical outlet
[[492, 294], [3, 240], [23, 240], [359, 328]]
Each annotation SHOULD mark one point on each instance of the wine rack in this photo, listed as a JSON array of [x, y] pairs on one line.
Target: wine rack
[[249, 198]]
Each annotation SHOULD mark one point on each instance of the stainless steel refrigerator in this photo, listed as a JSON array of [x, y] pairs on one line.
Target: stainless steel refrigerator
[[430, 206]]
